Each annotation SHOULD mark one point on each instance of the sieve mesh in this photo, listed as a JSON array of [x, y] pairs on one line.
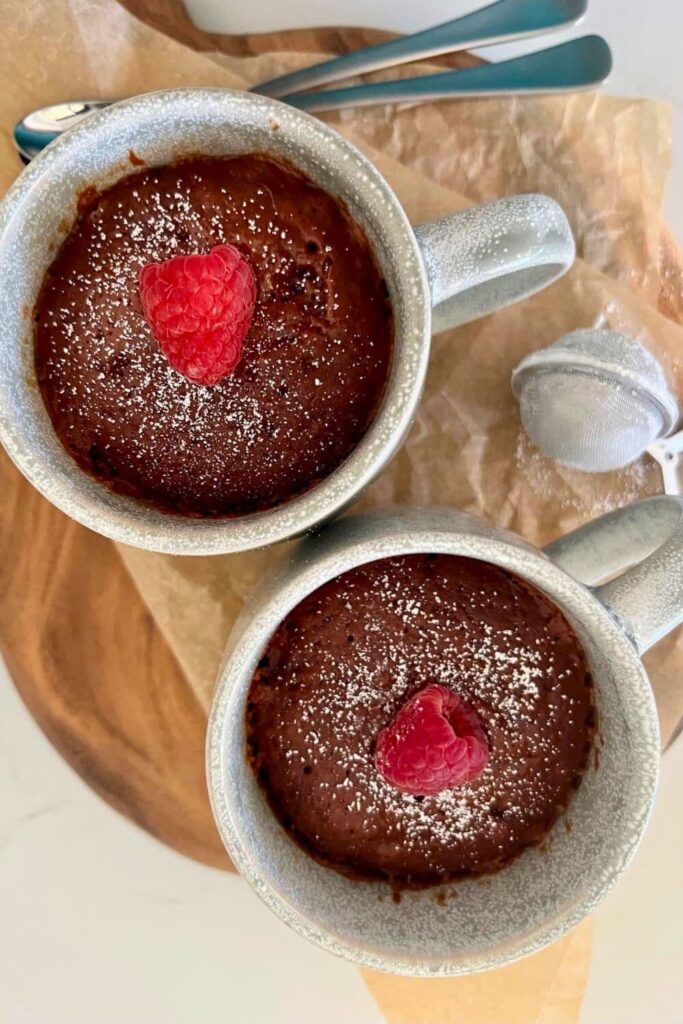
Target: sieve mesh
[[587, 422], [594, 400]]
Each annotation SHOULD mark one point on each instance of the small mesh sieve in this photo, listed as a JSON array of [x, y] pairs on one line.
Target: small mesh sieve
[[594, 400]]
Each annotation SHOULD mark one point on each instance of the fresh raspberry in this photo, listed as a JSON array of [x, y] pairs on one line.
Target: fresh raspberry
[[435, 742], [199, 309]]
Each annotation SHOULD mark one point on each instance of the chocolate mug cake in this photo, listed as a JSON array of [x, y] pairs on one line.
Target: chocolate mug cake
[[331, 703], [314, 362]]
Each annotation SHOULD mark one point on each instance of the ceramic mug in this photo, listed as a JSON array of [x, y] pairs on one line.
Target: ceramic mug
[[541, 895], [464, 266]]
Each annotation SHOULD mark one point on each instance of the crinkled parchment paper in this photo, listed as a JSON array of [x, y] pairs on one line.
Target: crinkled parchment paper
[[606, 161]]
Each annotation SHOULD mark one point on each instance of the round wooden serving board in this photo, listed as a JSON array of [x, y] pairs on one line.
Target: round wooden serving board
[[79, 642]]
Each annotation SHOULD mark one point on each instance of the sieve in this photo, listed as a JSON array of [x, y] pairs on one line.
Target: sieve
[[597, 400]]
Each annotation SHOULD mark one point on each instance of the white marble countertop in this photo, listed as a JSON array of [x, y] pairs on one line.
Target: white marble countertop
[[100, 924]]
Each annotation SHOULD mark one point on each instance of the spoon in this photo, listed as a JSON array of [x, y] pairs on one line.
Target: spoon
[[579, 64], [496, 23], [35, 131]]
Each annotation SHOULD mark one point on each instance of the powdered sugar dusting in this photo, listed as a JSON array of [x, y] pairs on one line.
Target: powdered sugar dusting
[[321, 333], [341, 667], [591, 494]]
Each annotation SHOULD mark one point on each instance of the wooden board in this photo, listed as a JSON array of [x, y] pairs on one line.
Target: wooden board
[[96, 674], [81, 646], [79, 642], [170, 17]]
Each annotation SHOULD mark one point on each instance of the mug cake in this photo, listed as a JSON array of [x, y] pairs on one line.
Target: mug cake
[[420, 719], [309, 373]]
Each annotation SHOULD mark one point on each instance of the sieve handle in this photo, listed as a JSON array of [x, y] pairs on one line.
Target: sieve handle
[[490, 256], [668, 452], [648, 597]]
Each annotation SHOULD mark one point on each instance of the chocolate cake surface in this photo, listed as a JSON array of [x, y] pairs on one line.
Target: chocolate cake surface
[[344, 662], [315, 360]]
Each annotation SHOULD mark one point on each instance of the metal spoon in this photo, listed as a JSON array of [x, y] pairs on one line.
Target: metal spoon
[[35, 131], [579, 64], [502, 21]]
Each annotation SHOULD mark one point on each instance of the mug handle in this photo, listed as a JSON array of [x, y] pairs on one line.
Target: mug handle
[[489, 256], [647, 599]]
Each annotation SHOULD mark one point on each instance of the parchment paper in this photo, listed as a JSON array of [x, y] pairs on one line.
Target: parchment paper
[[606, 161], [467, 448]]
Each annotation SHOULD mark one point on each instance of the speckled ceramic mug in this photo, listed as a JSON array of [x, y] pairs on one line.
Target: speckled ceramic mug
[[441, 274], [541, 895]]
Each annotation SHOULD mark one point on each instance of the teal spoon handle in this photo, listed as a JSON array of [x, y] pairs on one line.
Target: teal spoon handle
[[505, 20], [579, 64]]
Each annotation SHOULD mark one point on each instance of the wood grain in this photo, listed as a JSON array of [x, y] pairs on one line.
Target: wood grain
[[79, 642], [96, 674], [170, 17], [81, 646]]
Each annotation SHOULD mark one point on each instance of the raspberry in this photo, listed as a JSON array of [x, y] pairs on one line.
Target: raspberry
[[199, 309], [435, 742]]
